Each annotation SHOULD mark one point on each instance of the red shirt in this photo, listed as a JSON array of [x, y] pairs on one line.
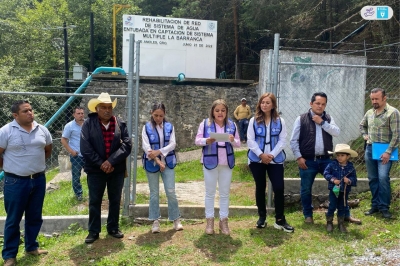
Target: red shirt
[[108, 134]]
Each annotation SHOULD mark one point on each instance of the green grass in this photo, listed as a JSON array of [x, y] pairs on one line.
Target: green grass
[[246, 245]]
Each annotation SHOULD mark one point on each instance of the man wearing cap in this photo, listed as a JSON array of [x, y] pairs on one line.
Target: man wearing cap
[[105, 144], [243, 113], [24, 147], [380, 124]]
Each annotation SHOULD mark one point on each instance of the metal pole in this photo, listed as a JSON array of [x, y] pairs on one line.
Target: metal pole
[[116, 9], [135, 153], [274, 91], [127, 183], [275, 65], [268, 86], [66, 66]]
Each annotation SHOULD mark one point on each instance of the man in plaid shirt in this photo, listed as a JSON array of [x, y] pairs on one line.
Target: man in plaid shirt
[[105, 144], [380, 124]]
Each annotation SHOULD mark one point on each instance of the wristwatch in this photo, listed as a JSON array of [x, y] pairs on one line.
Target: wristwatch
[[322, 123]]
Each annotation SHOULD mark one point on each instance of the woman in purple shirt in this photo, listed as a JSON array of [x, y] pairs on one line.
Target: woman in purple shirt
[[218, 160]]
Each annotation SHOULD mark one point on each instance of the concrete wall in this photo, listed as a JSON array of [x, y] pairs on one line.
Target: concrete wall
[[345, 87], [186, 105]]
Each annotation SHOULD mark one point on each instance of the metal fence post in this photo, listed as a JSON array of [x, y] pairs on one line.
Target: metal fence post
[[127, 183], [136, 134], [274, 88], [268, 86]]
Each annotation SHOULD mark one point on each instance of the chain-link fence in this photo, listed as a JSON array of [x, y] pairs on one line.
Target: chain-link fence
[[55, 110], [347, 79], [347, 82], [45, 107]]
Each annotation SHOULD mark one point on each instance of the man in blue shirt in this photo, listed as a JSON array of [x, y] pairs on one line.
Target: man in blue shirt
[[70, 139], [24, 147]]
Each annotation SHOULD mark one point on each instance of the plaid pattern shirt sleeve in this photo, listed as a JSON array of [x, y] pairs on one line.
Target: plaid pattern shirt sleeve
[[382, 128]]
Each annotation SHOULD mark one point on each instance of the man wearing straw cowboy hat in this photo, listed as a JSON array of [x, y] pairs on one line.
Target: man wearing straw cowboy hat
[[105, 144]]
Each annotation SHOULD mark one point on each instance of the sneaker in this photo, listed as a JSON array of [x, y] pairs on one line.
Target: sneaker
[[79, 198], [91, 238], [10, 262], [261, 223], [177, 225], [37, 252], [116, 233], [283, 225], [386, 214], [156, 227]]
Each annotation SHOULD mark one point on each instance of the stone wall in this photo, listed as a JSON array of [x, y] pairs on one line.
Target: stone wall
[[187, 104]]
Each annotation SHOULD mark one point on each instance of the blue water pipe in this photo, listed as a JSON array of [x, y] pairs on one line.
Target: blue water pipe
[[78, 91]]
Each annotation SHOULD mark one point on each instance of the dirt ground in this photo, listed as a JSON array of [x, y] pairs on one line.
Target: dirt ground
[[187, 193]]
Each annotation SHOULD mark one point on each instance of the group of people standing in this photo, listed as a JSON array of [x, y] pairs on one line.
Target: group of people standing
[[101, 143]]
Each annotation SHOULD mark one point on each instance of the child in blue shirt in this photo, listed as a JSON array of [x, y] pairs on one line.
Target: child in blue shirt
[[341, 175]]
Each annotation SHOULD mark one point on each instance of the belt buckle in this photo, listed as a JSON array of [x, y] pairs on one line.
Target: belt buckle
[[31, 176]]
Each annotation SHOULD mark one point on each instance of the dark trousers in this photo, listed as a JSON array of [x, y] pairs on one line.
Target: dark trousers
[[275, 174], [338, 203], [97, 183], [22, 196], [243, 124]]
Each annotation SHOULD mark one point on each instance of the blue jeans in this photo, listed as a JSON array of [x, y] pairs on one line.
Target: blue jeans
[[307, 180], [338, 203], [22, 196], [77, 164], [168, 178], [379, 181], [97, 183], [243, 123]]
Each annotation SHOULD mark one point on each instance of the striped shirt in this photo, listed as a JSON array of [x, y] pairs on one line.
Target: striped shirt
[[108, 134], [383, 127]]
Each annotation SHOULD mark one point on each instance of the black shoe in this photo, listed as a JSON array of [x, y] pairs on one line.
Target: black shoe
[[261, 223], [371, 211], [283, 225], [386, 214], [91, 238], [116, 233]]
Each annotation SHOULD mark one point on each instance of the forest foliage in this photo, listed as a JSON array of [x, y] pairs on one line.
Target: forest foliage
[[31, 34]]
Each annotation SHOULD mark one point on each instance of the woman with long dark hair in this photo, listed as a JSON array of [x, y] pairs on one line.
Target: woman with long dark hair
[[266, 138], [158, 143]]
